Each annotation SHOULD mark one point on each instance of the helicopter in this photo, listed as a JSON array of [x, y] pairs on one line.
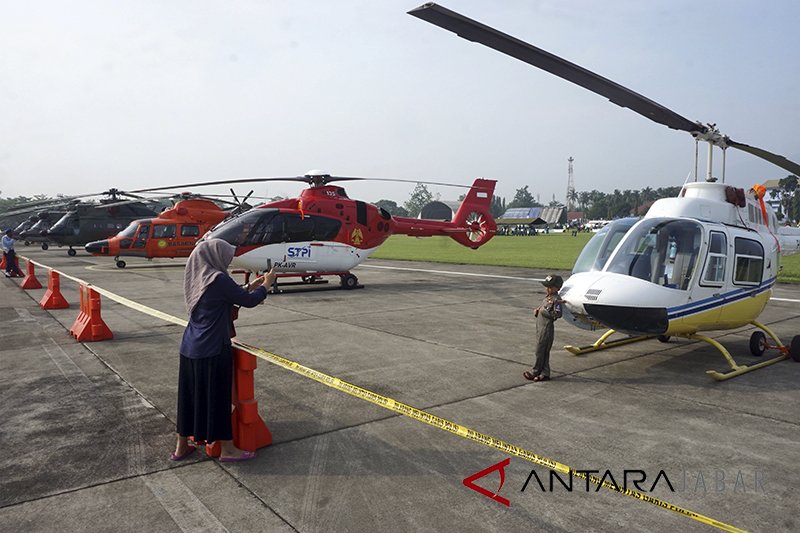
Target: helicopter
[[86, 222], [324, 232], [706, 260], [35, 233], [172, 233]]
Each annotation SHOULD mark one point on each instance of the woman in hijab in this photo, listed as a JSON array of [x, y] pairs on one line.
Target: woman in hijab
[[206, 364]]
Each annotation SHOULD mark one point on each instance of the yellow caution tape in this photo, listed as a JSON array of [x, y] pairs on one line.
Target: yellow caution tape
[[422, 416]]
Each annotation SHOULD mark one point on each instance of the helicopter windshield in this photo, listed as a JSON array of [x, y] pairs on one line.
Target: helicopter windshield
[[661, 251], [130, 231], [269, 226], [599, 248], [251, 227], [66, 225]]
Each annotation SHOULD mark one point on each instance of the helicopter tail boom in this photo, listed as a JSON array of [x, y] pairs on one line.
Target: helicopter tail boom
[[472, 224]]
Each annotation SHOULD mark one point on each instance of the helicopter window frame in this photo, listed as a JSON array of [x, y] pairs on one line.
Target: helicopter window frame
[[716, 260], [164, 231], [644, 252], [130, 230], [745, 263], [142, 235], [601, 246], [190, 230], [270, 228]]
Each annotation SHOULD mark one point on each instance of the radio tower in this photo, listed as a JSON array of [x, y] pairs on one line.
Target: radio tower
[[570, 185]]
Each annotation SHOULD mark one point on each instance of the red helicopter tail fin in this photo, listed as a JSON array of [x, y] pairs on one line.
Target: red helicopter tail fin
[[475, 214]]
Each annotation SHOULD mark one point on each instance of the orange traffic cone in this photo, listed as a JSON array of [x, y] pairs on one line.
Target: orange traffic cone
[[249, 430], [52, 298], [30, 281], [89, 326], [82, 321]]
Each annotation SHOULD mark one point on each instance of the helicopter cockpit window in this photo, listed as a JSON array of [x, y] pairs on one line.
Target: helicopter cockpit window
[[164, 231], [325, 229], [717, 258], [141, 236], [268, 230], [67, 224], [599, 248], [748, 262], [661, 251], [243, 229], [299, 229], [130, 231]]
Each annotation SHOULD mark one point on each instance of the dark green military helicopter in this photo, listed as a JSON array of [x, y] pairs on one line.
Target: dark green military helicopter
[[73, 221], [88, 221], [28, 233]]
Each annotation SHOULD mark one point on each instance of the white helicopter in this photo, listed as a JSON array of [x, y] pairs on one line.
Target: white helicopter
[[706, 260]]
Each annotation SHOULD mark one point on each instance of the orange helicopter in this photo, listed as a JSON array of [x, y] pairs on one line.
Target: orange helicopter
[[324, 232], [173, 233]]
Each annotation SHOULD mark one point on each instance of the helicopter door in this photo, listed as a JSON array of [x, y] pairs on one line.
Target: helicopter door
[[716, 260], [141, 236], [299, 234]]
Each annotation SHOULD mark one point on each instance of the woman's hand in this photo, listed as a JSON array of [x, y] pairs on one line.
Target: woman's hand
[[269, 278]]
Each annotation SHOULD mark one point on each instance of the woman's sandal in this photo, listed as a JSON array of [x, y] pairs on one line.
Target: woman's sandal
[[541, 378]]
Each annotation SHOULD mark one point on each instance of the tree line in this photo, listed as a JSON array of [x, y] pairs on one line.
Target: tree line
[[596, 204]]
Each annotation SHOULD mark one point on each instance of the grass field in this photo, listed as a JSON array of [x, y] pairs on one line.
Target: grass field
[[556, 251]]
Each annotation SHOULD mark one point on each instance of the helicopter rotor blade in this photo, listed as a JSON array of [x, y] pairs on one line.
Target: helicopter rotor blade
[[221, 182], [233, 193], [315, 180], [472, 30], [40, 207], [775, 159]]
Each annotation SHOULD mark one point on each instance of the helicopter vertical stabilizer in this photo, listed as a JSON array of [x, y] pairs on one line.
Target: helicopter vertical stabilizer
[[475, 213]]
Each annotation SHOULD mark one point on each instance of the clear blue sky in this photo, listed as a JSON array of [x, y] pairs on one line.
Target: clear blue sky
[[131, 94]]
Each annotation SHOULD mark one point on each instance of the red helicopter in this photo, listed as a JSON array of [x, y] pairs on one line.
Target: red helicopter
[[173, 233], [325, 233]]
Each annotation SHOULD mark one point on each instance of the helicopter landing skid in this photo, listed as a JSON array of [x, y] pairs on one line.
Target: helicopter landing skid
[[310, 281], [737, 369], [601, 344]]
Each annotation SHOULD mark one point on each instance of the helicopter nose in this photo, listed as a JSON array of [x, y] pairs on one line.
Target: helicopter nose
[[631, 320], [97, 247]]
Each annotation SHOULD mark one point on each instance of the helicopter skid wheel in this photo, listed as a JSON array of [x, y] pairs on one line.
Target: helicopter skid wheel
[[121, 263], [349, 281], [758, 343], [794, 349], [27, 243], [663, 338], [308, 279], [45, 246], [71, 252]]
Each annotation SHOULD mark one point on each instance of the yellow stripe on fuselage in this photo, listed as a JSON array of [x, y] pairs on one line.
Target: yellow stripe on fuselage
[[727, 316]]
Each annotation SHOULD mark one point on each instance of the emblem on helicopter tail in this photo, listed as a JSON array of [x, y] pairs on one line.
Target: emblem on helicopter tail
[[162, 243], [357, 237]]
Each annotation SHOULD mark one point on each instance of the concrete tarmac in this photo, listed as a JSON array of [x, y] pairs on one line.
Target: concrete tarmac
[[87, 428]]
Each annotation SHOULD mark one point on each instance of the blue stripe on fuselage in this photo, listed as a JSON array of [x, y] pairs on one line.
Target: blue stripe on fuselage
[[717, 301]]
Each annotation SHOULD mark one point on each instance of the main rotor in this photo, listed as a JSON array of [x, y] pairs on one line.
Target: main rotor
[[474, 31]]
